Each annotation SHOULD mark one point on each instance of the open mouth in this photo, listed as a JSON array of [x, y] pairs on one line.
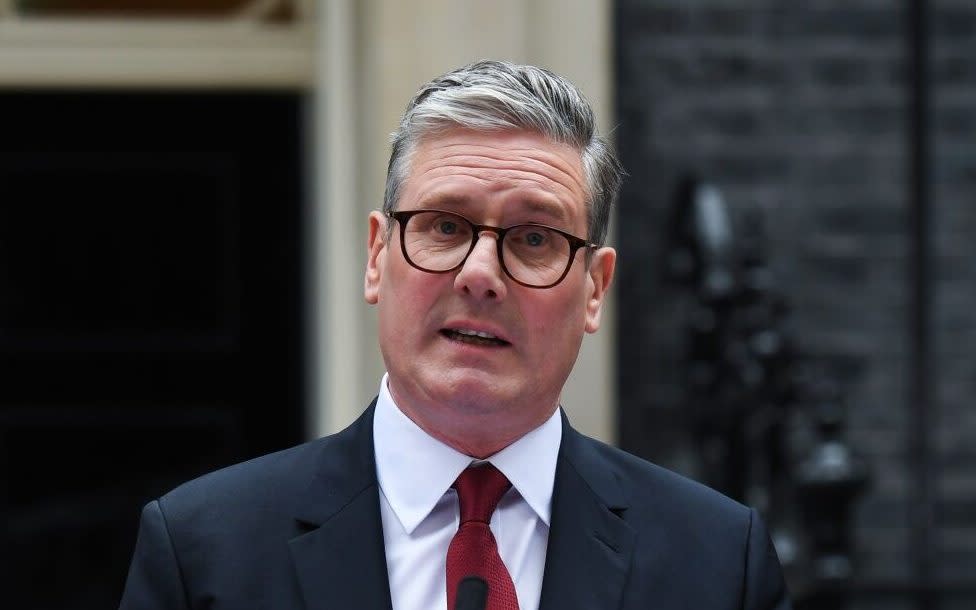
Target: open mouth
[[473, 337]]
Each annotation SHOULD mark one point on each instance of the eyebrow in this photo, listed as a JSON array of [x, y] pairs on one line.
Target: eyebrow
[[552, 211], [447, 201]]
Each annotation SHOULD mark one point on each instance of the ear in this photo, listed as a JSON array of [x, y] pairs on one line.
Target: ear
[[600, 275], [375, 255]]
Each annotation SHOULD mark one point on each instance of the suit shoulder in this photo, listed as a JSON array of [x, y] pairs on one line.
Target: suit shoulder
[[255, 486], [267, 488], [650, 486], [683, 533]]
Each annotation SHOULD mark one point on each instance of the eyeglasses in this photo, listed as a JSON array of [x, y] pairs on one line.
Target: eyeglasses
[[533, 255]]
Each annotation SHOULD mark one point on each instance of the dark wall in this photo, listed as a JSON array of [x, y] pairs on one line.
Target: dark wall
[[803, 115], [953, 237], [150, 316]]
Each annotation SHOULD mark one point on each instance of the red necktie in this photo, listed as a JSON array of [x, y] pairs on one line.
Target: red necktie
[[473, 551]]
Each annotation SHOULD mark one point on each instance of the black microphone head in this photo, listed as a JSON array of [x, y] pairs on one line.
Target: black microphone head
[[472, 594]]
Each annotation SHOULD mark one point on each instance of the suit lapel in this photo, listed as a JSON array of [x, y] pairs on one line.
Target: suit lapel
[[340, 561], [590, 545]]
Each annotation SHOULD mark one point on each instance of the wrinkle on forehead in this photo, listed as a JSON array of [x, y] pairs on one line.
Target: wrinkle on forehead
[[502, 161], [555, 167], [505, 180]]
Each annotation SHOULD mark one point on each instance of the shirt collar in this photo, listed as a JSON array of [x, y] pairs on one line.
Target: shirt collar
[[415, 469]]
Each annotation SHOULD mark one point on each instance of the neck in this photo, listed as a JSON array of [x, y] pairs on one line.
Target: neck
[[479, 432]]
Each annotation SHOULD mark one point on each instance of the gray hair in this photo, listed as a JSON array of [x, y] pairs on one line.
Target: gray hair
[[496, 95]]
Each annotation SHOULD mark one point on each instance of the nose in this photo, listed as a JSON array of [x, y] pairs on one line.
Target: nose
[[481, 274]]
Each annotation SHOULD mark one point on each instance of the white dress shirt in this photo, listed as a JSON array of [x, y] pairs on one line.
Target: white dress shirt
[[420, 509]]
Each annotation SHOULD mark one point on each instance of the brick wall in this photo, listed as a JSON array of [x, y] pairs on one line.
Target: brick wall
[[801, 114], [954, 300]]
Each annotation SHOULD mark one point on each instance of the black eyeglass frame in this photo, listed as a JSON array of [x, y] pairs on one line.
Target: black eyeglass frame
[[575, 243]]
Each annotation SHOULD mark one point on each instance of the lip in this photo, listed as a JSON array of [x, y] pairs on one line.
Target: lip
[[480, 327]]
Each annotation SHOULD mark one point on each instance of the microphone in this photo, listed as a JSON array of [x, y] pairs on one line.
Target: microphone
[[472, 594]]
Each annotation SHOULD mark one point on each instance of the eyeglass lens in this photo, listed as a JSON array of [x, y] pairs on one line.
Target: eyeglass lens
[[532, 254]]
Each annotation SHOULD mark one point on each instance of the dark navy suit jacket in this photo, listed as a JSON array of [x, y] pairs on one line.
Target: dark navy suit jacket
[[301, 529]]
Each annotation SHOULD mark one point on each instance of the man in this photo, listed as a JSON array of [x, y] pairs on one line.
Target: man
[[486, 266]]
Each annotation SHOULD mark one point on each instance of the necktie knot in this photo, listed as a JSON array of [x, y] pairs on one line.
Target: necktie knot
[[479, 489]]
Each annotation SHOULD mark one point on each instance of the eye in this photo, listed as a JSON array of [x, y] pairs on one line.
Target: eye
[[447, 227], [535, 238]]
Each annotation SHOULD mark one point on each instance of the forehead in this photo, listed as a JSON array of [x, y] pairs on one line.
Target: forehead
[[512, 171]]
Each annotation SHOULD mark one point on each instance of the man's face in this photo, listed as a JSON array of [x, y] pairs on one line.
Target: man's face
[[479, 396]]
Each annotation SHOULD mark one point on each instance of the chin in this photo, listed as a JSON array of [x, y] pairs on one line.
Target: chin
[[479, 392]]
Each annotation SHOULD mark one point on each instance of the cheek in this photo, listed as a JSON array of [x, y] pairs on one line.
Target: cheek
[[557, 322], [409, 298]]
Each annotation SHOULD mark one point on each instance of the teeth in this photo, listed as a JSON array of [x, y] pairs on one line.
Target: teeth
[[475, 333]]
